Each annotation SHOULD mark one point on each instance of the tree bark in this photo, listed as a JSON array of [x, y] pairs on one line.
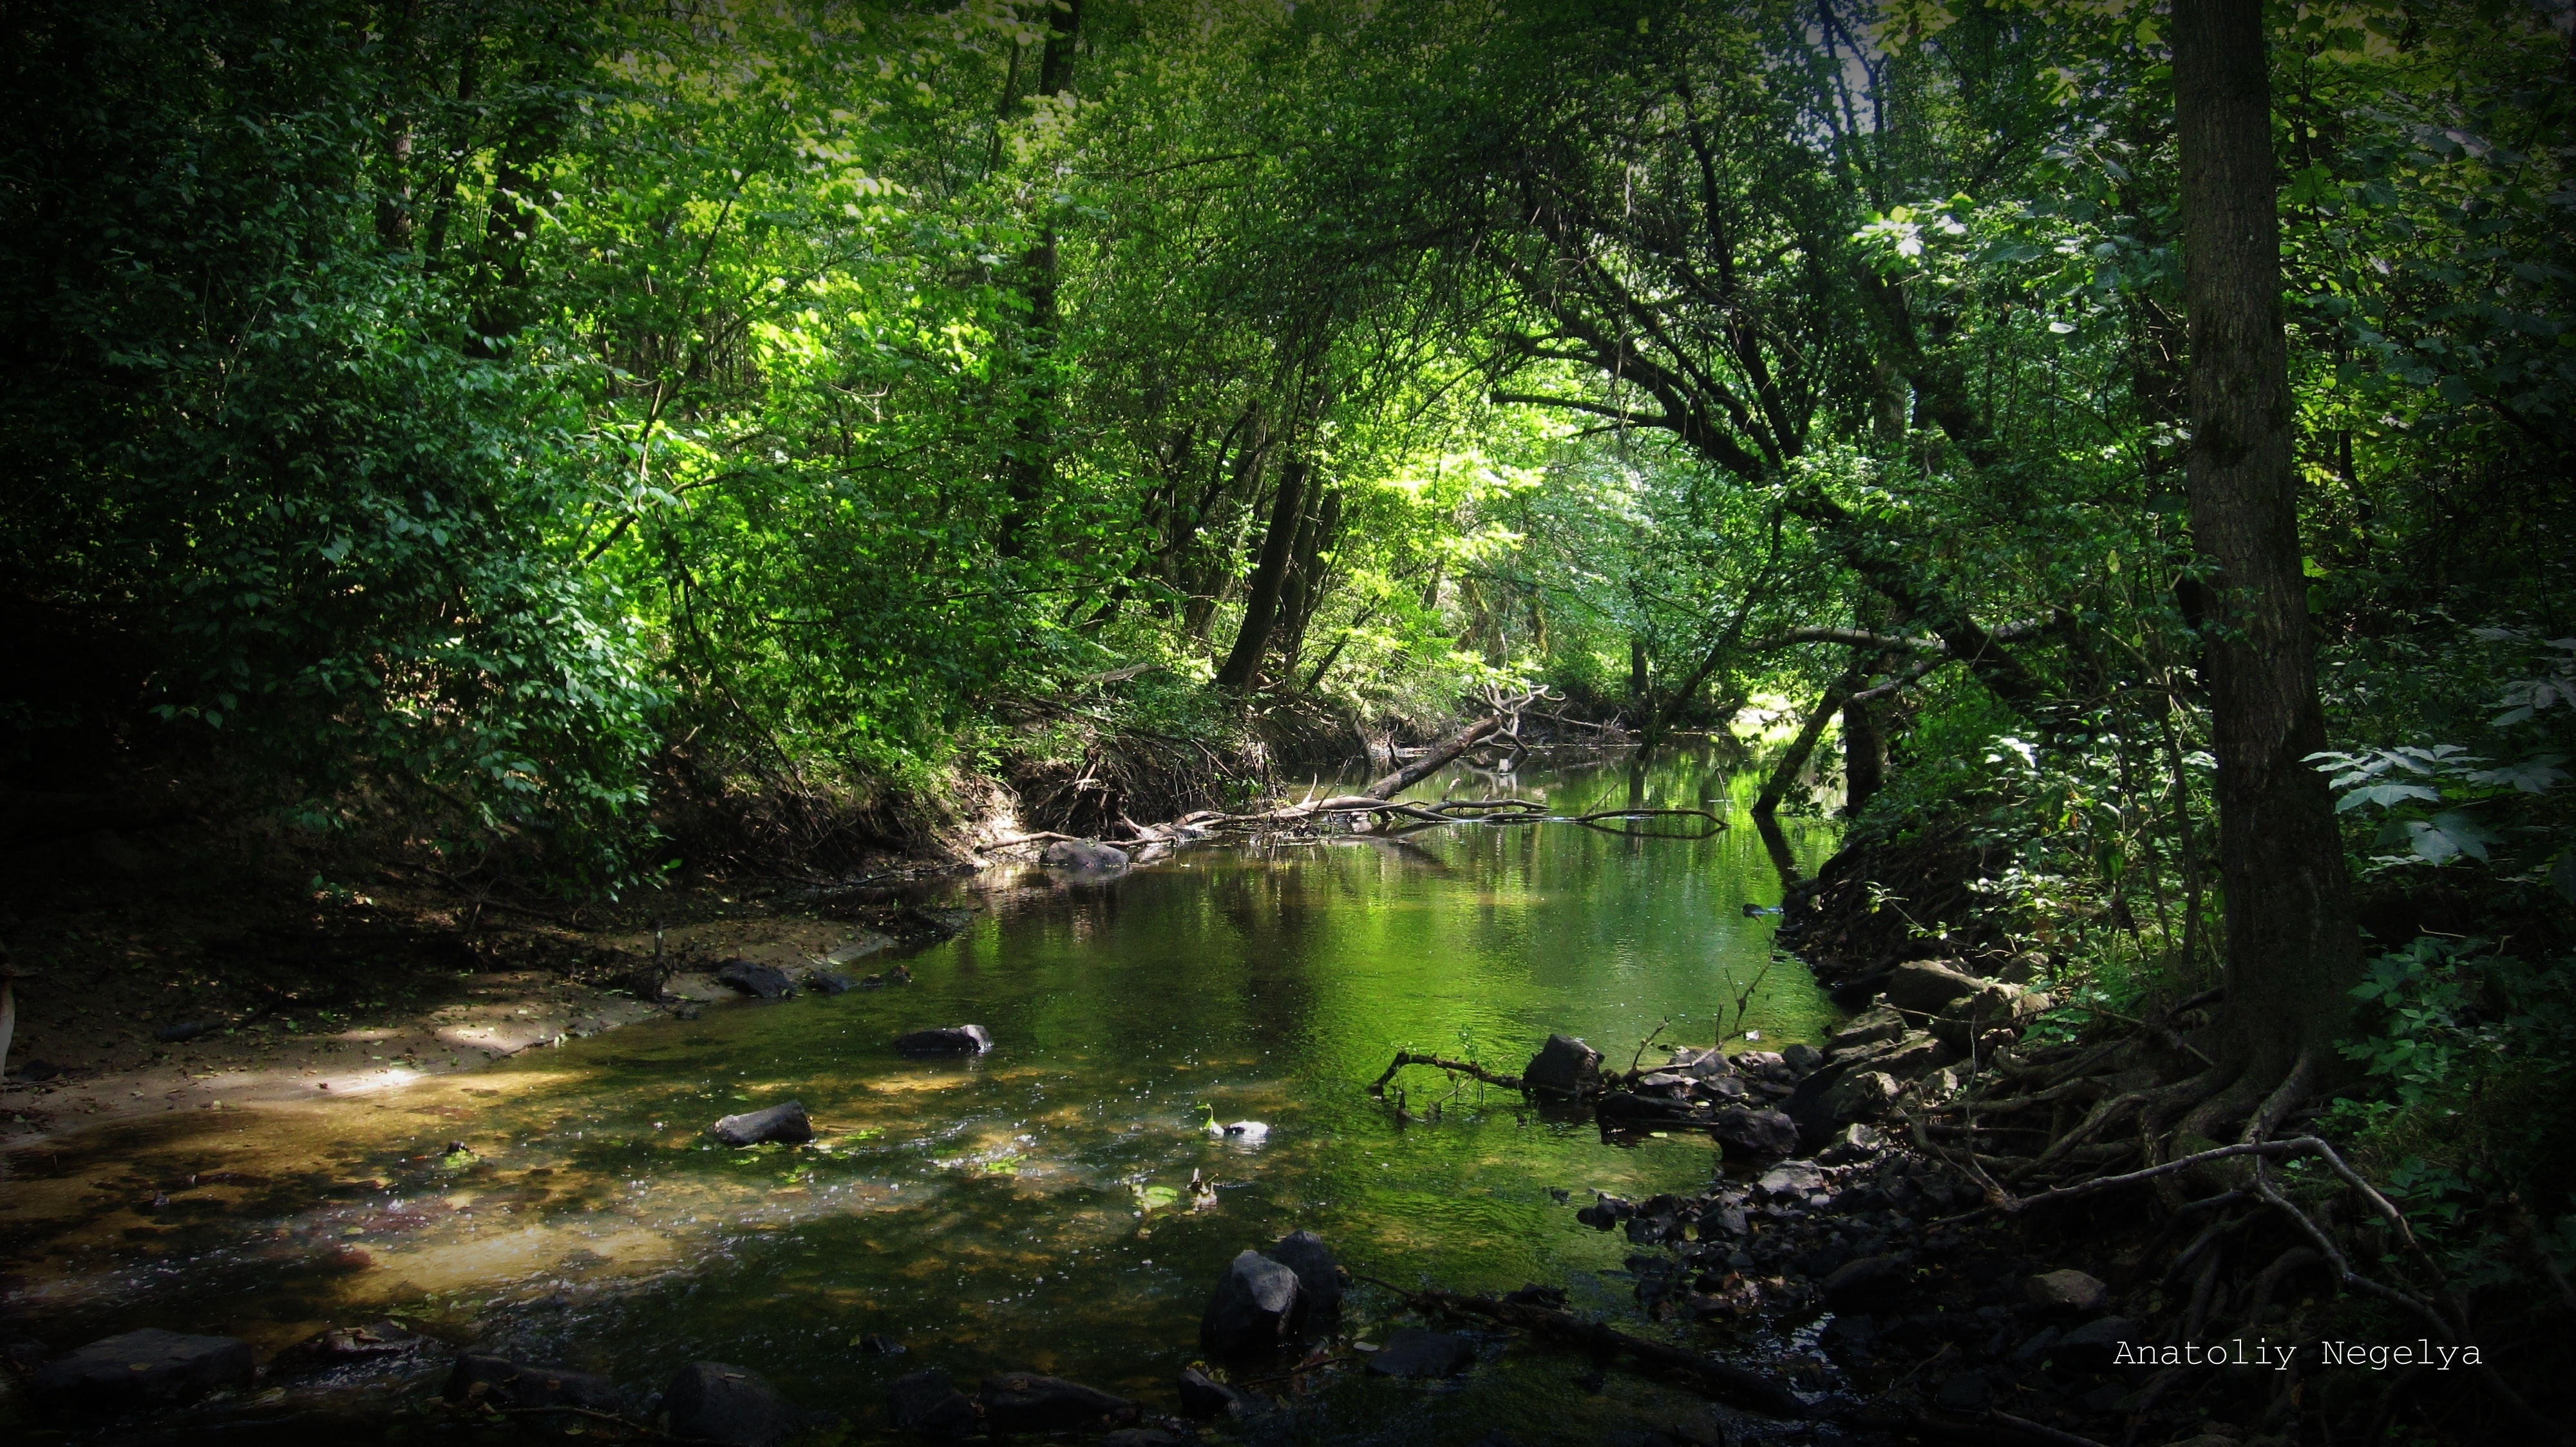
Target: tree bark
[[2292, 949], [1031, 465], [1864, 756], [1261, 606], [1777, 787], [1436, 760]]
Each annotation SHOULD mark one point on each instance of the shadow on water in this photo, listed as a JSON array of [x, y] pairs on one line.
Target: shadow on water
[[1009, 1213]]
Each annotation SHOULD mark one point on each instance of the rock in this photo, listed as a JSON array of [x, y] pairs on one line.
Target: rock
[[343, 1345], [1628, 1105], [1924, 987], [1802, 1058], [1144, 1437], [714, 1402], [1082, 855], [1027, 1402], [478, 1378], [1763, 1065], [148, 1367], [2068, 1291], [782, 1122], [1253, 1310], [880, 1346], [1790, 1180], [867, 943], [1606, 1212], [1534, 1293], [2034, 1350], [1723, 1221], [1319, 1277], [183, 1030], [1665, 1083], [2090, 1347], [1993, 1005], [830, 982], [1966, 1392], [1861, 1095], [1203, 1396], [1745, 1131], [1413, 1352], [753, 978], [1702, 1064], [1874, 1026], [38, 1070], [952, 1040], [1564, 1067], [927, 1403], [1867, 1281]]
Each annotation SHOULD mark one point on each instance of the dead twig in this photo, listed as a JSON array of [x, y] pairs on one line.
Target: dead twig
[[1404, 1058]]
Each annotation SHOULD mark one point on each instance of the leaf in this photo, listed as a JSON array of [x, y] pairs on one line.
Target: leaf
[[2533, 775], [2386, 795]]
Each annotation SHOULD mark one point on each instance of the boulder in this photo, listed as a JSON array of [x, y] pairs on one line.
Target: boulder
[[478, 1378], [1853, 1143], [949, 1040], [1319, 1277], [1861, 1095], [928, 1403], [1027, 1402], [754, 978], [1720, 1089], [1204, 1396], [1606, 1212], [1253, 1310], [830, 982], [1867, 1281], [1764, 1065], [783, 1122], [2092, 1346], [150, 1367], [1082, 855], [1790, 1180], [1744, 1131], [1994, 1005], [1874, 1026], [1703, 1064], [1413, 1352], [344, 1345], [1925, 987], [714, 1402], [1801, 1058], [1564, 1067], [2067, 1291]]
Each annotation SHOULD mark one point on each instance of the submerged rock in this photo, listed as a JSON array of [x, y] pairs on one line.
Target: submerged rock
[[1319, 1277], [753, 978], [784, 1122], [1027, 1402], [1203, 1396], [150, 1367], [830, 982], [1564, 1067], [716, 1402], [478, 1378], [928, 1403], [1253, 1310], [1083, 855], [1413, 1352], [949, 1040]]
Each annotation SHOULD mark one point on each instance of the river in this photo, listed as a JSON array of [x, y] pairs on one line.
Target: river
[[1027, 1210]]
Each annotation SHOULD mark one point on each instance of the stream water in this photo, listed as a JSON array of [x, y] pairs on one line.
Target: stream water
[[1028, 1210]]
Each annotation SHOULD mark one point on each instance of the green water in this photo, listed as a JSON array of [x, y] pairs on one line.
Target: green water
[[993, 1215]]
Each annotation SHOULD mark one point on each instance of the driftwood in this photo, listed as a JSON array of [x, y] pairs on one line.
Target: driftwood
[[1404, 1058]]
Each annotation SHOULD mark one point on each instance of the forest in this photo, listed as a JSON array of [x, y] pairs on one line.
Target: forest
[[2106, 463]]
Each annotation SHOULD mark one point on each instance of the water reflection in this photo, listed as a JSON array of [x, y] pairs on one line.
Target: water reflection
[[1030, 1209]]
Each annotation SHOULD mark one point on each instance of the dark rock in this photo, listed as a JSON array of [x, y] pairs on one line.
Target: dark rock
[[1144, 1437], [1319, 1277], [1875, 1026], [1700, 1064], [39, 1070], [1413, 1352], [1564, 1067], [951, 1040], [1966, 1392], [1253, 1310], [1203, 1396], [1721, 1090], [928, 1403], [148, 1367], [2092, 1346], [1537, 1294], [1665, 1083], [1027, 1402], [2068, 1291], [1722, 1221], [1743, 1130], [1763, 1065], [1927, 986], [477, 1378], [1802, 1058], [1867, 1282], [830, 982], [1653, 1109], [173, 1034], [880, 1346], [1083, 855], [1851, 1330], [1854, 1142], [783, 1122], [753, 978], [1790, 1181], [2034, 1351], [1861, 1095], [1606, 1212], [344, 1345], [713, 1402]]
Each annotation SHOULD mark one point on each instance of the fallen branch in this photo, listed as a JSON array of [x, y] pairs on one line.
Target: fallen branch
[[1404, 1058]]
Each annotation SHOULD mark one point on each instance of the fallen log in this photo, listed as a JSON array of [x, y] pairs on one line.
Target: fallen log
[[1439, 758]]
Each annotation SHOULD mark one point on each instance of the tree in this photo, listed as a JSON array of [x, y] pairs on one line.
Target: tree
[[2292, 950]]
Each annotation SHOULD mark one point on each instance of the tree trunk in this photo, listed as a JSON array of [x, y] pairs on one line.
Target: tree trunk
[[1637, 675], [1864, 756], [1261, 606], [2292, 950], [1436, 760], [1777, 788], [1031, 465]]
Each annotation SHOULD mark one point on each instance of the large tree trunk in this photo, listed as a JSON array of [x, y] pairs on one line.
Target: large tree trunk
[[1864, 756], [1786, 773], [1031, 465], [2292, 950], [1261, 606]]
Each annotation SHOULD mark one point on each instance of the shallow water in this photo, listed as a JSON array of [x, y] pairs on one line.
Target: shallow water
[[1008, 1213]]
